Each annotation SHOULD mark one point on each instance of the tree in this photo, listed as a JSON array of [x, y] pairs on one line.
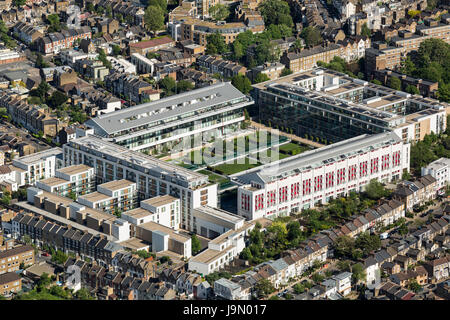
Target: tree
[[59, 257], [238, 50], [159, 3], [40, 63], [414, 286], [90, 7], [276, 12], [403, 229], [375, 81], [358, 272], [42, 89], [219, 12], [299, 288], [242, 83], [412, 89], [343, 246], [395, 83], [83, 294], [367, 242], [246, 254], [184, 85], [117, 50], [57, 99], [168, 85], [215, 44], [19, 3], [365, 31], [196, 245], [154, 18], [261, 77], [312, 36], [317, 278], [286, 72], [263, 288], [375, 190], [55, 25]]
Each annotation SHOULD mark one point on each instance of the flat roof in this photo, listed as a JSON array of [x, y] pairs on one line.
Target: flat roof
[[319, 157], [168, 107], [75, 169], [54, 181], [224, 236], [160, 200], [153, 226], [55, 198], [221, 214], [138, 213], [95, 197], [35, 157], [210, 255], [117, 184], [136, 158]]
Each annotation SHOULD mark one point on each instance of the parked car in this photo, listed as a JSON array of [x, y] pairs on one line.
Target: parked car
[[46, 254]]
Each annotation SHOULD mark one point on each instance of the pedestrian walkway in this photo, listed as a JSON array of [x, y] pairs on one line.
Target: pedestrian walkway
[[288, 135]]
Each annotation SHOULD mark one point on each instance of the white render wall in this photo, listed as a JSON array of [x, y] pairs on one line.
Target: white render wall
[[309, 201]]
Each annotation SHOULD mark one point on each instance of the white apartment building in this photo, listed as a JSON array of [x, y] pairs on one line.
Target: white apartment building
[[111, 196], [316, 176], [70, 56], [77, 179], [37, 166], [440, 170], [221, 251], [153, 176], [143, 64], [121, 65], [167, 122], [212, 222]]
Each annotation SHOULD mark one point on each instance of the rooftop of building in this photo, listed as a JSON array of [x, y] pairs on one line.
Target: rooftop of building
[[319, 157], [210, 255], [153, 226], [39, 156], [54, 181], [137, 158], [75, 169], [95, 197], [160, 200], [219, 213], [117, 184], [143, 114]]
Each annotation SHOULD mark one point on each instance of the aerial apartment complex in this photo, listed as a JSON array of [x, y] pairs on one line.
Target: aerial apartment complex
[[314, 177], [333, 106], [217, 109], [153, 177]]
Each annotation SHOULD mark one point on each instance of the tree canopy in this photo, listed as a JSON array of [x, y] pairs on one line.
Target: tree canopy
[[219, 12], [312, 36], [216, 44], [276, 12], [242, 83], [431, 62], [154, 18]]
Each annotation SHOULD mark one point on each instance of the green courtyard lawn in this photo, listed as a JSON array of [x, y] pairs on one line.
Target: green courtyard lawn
[[214, 178], [293, 148], [267, 155], [235, 167]]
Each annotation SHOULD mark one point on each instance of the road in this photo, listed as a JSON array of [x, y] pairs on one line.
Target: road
[[288, 135]]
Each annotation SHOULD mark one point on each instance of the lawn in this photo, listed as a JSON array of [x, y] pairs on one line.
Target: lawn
[[293, 148], [214, 178], [234, 167], [269, 154]]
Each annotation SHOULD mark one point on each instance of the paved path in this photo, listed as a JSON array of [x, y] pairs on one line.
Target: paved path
[[288, 135]]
